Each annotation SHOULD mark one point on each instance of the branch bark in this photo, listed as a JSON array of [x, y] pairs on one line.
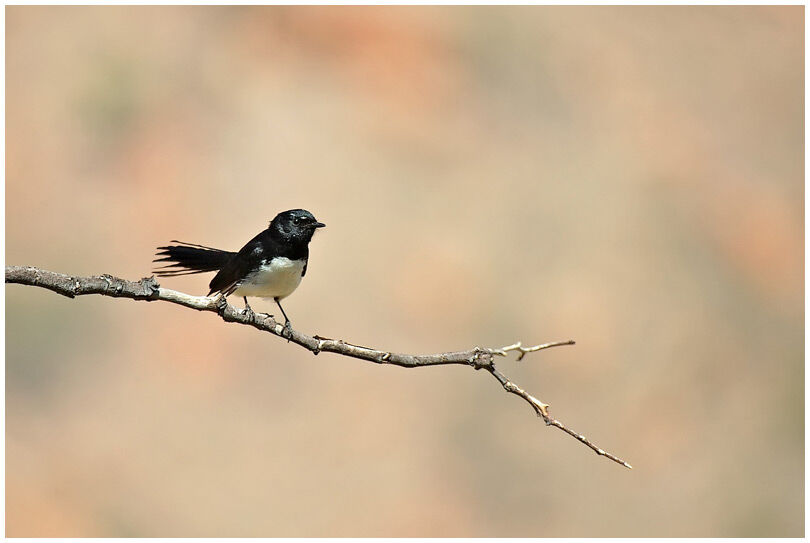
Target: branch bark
[[148, 289]]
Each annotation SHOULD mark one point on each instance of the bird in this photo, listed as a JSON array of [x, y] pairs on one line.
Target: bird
[[271, 265]]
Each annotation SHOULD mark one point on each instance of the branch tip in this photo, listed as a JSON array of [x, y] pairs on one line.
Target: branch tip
[[522, 351]]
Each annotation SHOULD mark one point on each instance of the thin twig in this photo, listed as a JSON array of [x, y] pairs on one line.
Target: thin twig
[[523, 350], [149, 290]]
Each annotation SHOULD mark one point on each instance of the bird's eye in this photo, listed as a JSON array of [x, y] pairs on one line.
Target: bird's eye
[[297, 220]]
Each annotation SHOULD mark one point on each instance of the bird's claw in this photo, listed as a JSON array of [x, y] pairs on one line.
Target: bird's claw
[[249, 313], [222, 304], [287, 331]]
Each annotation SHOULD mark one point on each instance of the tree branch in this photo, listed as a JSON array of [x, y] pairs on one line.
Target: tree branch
[[149, 290]]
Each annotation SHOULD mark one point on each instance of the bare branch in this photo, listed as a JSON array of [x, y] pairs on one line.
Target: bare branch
[[523, 350], [149, 290]]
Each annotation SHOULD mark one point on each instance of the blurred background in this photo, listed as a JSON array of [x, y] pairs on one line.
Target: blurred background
[[631, 178]]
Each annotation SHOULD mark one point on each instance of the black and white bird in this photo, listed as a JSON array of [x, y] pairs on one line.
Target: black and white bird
[[270, 265]]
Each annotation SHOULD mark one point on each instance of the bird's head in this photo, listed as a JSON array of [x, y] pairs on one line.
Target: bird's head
[[295, 224]]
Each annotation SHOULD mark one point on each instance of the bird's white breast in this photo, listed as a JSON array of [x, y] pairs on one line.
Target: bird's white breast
[[277, 278]]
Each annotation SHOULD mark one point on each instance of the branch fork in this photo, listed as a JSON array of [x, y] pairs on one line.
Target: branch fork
[[148, 289]]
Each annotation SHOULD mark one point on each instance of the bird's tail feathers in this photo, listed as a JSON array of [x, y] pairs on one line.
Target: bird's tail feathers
[[189, 258]]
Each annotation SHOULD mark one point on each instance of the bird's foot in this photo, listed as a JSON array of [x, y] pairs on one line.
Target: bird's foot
[[222, 304], [287, 330], [249, 313]]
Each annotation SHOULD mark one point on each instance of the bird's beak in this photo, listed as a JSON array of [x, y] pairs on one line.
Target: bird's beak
[[318, 225]]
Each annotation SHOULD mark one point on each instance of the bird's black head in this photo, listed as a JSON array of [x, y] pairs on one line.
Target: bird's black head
[[295, 225]]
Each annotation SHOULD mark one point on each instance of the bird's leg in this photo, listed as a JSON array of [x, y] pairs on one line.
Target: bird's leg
[[248, 310], [287, 325]]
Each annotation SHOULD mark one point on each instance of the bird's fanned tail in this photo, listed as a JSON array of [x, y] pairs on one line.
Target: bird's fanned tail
[[189, 258]]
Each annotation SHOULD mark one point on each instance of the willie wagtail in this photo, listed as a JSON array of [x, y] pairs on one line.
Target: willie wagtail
[[271, 265]]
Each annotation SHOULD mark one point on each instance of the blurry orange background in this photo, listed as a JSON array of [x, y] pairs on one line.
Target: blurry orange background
[[631, 178]]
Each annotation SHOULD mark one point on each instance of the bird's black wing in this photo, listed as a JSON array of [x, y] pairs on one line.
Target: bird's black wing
[[246, 261]]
